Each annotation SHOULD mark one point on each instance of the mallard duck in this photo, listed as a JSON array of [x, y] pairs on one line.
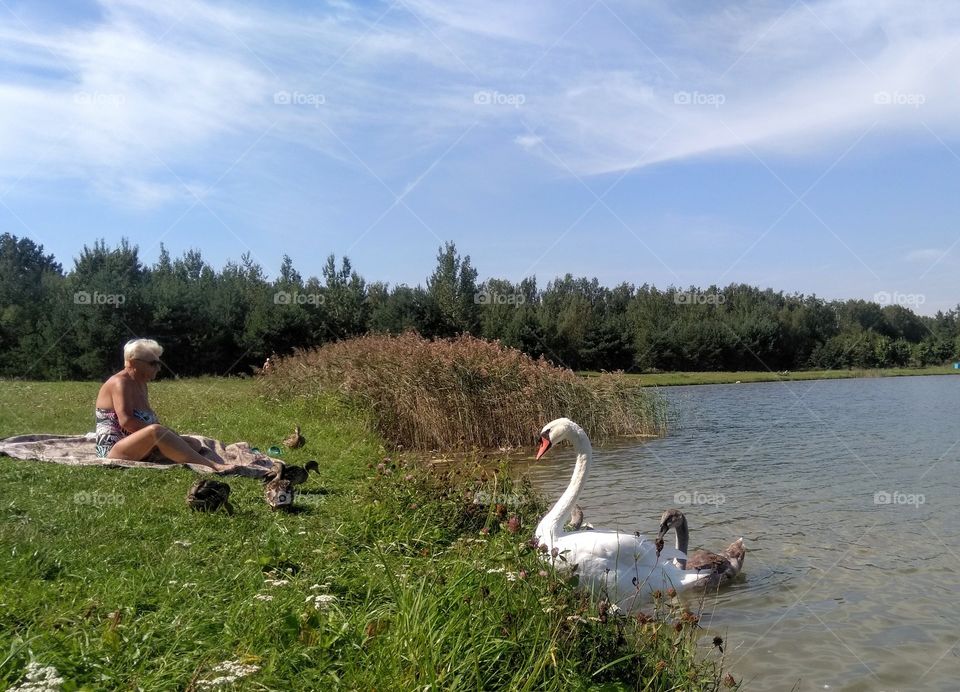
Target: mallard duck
[[296, 440], [278, 489], [298, 474], [722, 567], [208, 495]]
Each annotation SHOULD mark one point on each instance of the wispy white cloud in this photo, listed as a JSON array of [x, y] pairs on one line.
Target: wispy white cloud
[[925, 255], [149, 87]]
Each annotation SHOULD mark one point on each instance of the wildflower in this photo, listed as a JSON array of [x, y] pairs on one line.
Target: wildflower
[[661, 666], [643, 618], [38, 678], [729, 680], [321, 601], [555, 552], [523, 574], [231, 672], [718, 642], [513, 524], [671, 592], [542, 573], [657, 594], [495, 570], [263, 597], [408, 477], [276, 582], [485, 531]]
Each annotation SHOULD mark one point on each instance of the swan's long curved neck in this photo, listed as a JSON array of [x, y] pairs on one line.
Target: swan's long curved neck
[[683, 541], [552, 523]]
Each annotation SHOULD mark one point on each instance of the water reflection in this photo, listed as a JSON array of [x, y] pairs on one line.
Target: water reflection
[[844, 492]]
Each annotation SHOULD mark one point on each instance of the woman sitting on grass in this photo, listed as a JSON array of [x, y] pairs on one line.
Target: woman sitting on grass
[[127, 427]]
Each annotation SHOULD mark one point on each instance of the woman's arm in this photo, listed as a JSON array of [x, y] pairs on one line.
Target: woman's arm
[[125, 399]]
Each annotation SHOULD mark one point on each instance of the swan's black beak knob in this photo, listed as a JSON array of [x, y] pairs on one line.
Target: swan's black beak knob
[[545, 444]]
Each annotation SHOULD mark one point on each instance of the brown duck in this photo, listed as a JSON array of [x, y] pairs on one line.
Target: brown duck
[[207, 495], [296, 440]]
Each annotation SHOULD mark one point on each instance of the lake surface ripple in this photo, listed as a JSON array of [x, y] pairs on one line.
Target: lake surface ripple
[[845, 492]]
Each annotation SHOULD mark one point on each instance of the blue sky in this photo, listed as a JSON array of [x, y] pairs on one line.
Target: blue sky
[[805, 146]]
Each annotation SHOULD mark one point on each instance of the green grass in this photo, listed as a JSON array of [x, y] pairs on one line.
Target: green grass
[[669, 379], [110, 579]]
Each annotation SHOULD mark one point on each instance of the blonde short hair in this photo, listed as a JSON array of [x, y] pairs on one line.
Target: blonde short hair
[[136, 349]]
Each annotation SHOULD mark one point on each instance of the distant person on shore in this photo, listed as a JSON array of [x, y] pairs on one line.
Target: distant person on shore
[[127, 428]]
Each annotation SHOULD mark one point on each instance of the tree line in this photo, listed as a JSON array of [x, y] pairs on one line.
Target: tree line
[[71, 325]]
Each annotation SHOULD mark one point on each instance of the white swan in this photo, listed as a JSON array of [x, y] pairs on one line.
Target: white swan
[[623, 568]]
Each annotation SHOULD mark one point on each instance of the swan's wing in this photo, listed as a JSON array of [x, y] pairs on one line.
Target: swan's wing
[[613, 547], [703, 560]]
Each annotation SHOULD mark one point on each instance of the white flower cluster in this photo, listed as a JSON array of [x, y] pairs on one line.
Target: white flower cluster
[[321, 600], [39, 678], [231, 672]]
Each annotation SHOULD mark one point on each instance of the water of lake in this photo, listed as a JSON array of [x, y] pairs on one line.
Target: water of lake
[[845, 492]]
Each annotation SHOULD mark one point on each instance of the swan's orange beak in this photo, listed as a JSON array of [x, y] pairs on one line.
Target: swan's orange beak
[[545, 444]]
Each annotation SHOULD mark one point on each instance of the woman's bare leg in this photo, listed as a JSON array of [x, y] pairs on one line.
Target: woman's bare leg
[[138, 445]]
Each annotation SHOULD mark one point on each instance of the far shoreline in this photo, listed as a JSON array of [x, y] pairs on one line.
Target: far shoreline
[[675, 379]]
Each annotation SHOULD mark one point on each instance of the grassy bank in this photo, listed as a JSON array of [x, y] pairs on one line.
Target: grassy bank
[[389, 577], [668, 379]]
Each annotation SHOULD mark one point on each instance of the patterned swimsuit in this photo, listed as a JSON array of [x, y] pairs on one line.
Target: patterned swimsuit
[[109, 430]]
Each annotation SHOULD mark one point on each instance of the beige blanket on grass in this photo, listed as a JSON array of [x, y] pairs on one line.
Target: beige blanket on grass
[[81, 450]]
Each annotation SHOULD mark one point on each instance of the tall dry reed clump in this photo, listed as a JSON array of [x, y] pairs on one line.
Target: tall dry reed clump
[[463, 393]]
